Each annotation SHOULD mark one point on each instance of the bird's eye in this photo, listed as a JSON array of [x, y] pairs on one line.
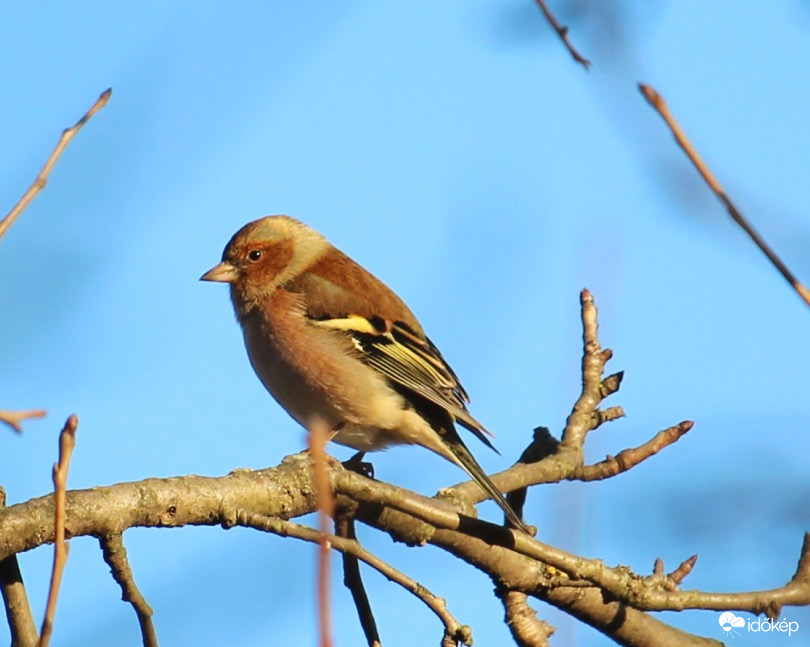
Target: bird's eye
[[254, 255]]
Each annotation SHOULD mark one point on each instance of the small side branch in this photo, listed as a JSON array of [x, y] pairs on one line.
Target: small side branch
[[344, 527], [67, 441], [562, 32], [658, 103], [15, 600], [527, 629], [452, 627], [629, 458], [18, 610], [14, 418], [42, 179], [584, 417], [112, 547], [619, 582], [671, 581], [547, 460]]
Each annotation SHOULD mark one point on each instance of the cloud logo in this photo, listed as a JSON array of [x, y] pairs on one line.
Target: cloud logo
[[729, 622]]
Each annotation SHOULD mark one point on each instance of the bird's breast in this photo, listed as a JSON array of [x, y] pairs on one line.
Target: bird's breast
[[314, 373]]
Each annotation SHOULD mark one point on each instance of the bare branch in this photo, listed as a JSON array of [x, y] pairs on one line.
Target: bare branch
[[607, 415], [629, 458], [562, 32], [14, 418], [671, 581], [112, 547], [586, 588], [67, 441], [620, 622], [512, 559], [344, 527], [15, 599], [42, 179], [527, 629], [618, 582], [657, 102], [564, 460], [685, 567], [581, 420], [454, 629]]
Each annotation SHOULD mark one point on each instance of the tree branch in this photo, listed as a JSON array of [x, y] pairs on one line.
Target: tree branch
[[352, 579], [657, 102], [611, 599], [547, 460], [453, 628], [14, 418], [15, 599], [112, 548], [527, 629], [582, 420], [629, 458], [511, 559], [42, 179], [562, 32]]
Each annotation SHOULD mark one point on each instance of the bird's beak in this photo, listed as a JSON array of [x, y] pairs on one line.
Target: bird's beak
[[222, 273]]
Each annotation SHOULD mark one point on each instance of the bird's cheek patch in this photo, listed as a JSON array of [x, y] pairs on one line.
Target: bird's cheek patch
[[275, 260]]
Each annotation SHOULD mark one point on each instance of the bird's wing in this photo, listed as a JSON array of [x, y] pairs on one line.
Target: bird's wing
[[410, 361], [386, 335]]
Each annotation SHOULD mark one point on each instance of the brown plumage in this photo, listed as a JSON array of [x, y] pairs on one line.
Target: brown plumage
[[332, 343]]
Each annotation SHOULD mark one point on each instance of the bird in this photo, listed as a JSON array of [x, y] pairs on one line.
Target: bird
[[333, 344]]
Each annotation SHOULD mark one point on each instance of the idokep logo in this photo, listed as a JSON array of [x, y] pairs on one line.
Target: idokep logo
[[732, 625], [729, 623]]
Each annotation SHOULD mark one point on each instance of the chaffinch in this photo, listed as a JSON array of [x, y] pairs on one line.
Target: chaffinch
[[331, 342]]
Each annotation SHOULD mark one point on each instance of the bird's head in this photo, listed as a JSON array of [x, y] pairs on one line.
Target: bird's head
[[263, 255]]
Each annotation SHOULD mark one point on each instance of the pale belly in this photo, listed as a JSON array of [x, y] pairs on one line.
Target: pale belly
[[365, 420]]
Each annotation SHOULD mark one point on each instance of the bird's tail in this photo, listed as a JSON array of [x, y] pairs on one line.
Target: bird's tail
[[467, 462]]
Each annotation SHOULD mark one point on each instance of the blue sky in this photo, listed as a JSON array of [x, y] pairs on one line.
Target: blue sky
[[456, 151]]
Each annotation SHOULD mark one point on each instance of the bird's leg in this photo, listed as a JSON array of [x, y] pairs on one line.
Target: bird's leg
[[357, 464]]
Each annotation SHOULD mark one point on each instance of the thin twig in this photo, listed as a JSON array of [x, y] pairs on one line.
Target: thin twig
[[608, 414], [685, 567], [562, 32], [461, 633], [527, 629], [629, 458], [318, 437], [344, 527], [582, 420], [670, 581], [112, 547], [657, 102], [14, 418], [67, 440], [18, 610], [618, 582], [552, 461], [42, 179]]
